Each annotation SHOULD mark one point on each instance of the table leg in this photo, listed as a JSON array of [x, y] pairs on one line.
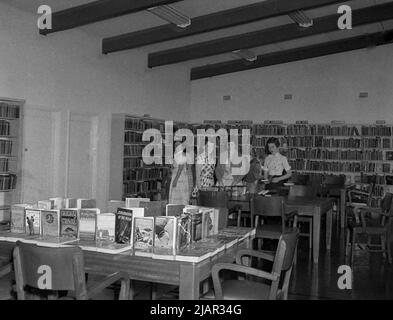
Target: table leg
[[189, 282], [316, 233], [342, 207], [329, 219]]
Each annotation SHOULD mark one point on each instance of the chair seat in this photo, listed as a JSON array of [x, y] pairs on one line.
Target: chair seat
[[242, 290], [272, 231]]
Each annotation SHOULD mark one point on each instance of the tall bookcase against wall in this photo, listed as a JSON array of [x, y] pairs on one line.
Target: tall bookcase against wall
[[358, 151], [138, 179], [10, 155]]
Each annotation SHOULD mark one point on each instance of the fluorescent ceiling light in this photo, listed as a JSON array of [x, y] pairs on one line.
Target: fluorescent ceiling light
[[170, 14], [246, 55], [301, 19]]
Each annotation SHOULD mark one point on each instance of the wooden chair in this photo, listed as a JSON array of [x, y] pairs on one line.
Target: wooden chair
[[265, 207], [308, 193], [62, 269], [218, 199], [246, 289], [371, 222]]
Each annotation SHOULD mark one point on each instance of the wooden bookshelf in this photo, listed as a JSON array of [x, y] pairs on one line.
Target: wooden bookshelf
[[10, 155]]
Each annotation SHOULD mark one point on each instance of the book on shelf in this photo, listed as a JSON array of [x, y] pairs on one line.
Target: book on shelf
[[124, 224], [113, 205], [50, 222], [57, 203], [106, 227], [33, 221], [70, 203], [88, 223], [86, 203], [174, 209], [165, 233], [69, 223], [44, 204], [143, 232]]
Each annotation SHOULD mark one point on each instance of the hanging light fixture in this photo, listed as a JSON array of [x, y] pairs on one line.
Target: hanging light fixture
[[301, 19], [172, 15], [245, 54]]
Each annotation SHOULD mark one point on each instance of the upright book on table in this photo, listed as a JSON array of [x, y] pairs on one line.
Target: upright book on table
[[153, 208], [86, 203], [70, 203], [183, 238], [106, 227], [143, 232], [57, 203], [174, 210], [123, 224], [33, 221], [88, 224], [44, 205], [165, 235], [18, 218], [113, 205], [69, 223], [50, 222], [135, 202]]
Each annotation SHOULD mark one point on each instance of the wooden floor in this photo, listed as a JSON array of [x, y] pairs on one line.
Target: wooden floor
[[372, 276]]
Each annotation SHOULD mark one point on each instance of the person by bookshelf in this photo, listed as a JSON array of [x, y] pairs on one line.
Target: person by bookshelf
[[224, 167], [181, 178], [255, 173], [276, 166]]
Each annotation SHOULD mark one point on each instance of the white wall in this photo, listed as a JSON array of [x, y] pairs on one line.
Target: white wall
[[66, 73], [324, 89]]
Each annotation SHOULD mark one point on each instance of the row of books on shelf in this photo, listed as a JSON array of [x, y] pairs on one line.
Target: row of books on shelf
[[132, 137], [376, 130], [379, 179], [133, 150], [8, 181], [5, 147], [4, 128], [134, 187], [315, 165], [142, 173], [9, 110], [318, 153], [4, 164]]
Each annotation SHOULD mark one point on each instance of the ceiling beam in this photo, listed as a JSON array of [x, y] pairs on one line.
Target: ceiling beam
[[297, 54], [97, 11], [214, 21], [258, 38]]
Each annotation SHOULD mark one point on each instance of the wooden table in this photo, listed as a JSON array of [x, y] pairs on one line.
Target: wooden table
[[314, 208], [186, 275]]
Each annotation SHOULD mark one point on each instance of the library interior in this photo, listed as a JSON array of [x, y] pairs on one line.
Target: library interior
[[196, 150]]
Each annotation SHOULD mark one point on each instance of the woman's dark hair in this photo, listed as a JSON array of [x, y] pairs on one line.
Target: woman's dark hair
[[274, 140]]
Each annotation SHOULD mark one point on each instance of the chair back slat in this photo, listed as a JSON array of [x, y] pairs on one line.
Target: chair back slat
[[37, 264], [267, 206], [290, 239]]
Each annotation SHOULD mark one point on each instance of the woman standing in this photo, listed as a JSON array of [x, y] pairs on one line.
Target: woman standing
[[181, 181], [204, 167], [276, 166]]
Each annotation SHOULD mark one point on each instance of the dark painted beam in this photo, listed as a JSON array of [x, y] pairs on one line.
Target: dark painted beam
[[215, 21], [297, 54], [97, 11], [267, 36]]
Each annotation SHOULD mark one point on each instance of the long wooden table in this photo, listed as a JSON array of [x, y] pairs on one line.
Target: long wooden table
[[315, 208], [186, 275]]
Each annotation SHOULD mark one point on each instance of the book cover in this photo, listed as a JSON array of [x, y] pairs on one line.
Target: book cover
[[135, 202], [18, 219], [165, 233], [153, 208], [183, 238], [69, 223], [113, 205], [33, 221], [196, 226], [106, 227], [50, 222], [70, 203], [57, 203], [112, 247], [123, 225], [209, 222], [87, 224], [86, 203], [44, 205], [174, 209], [143, 232]]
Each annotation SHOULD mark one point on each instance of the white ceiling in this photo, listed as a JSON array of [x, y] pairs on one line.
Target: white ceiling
[[193, 8]]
